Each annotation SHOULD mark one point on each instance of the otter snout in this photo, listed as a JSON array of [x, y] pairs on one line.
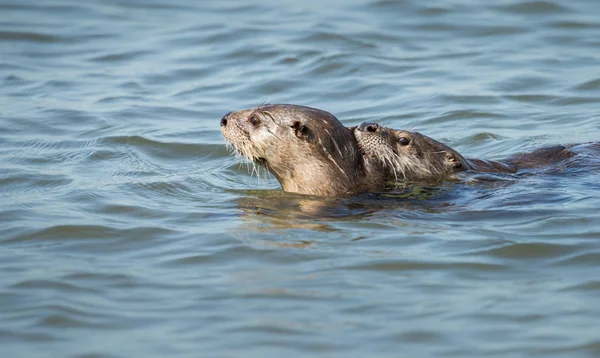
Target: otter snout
[[225, 119], [368, 127]]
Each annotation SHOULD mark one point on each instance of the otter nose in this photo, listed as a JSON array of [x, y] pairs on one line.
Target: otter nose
[[224, 119], [369, 127]]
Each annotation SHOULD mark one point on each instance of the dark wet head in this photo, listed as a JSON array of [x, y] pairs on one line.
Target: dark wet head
[[407, 156], [308, 150]]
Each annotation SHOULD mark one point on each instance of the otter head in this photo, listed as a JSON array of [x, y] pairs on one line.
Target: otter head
[[308, 150], [407, 156]]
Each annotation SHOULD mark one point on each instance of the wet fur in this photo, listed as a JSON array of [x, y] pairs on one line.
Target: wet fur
[[424, 158], [308, 150]]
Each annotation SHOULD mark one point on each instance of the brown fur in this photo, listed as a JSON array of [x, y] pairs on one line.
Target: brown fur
[[411, 156], [308, 150]]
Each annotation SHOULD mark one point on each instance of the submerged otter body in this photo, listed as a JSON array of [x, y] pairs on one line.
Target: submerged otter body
[[411, 156], [308, 150]]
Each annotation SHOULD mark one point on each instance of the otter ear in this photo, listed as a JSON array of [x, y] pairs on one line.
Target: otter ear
[[301, 130], [453, 161]]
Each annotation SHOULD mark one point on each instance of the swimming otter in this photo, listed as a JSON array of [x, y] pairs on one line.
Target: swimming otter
[[411, 156], [308, 150]]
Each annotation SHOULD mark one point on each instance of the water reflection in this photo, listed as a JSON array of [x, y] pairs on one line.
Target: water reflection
[[125, 220], [269, 210]]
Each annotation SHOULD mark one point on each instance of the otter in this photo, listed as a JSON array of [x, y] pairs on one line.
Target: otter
[[308, 150], [411, 156]]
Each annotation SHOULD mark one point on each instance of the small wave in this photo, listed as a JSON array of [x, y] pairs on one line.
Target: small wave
[[29, 37], [591, 85], [408, 265], [159, 149], [534, 8], [531, 250], [120, 56], [16, 184]]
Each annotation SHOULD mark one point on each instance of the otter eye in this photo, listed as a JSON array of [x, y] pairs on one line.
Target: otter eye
[[404, 141], [303, 130], [254, 120]]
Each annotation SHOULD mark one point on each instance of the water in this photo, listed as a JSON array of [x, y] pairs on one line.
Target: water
[[128, 229]]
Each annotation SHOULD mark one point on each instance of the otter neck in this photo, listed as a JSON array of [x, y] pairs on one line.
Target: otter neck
[[320, 179]]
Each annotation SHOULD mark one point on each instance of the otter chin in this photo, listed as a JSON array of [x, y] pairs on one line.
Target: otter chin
[[308, 150], [411, 156]]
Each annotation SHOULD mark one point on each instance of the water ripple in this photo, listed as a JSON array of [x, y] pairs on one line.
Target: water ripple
[[535, 8], [127, 225]]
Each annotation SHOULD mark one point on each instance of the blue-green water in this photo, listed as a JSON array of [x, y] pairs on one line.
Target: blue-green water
[[128, 229]]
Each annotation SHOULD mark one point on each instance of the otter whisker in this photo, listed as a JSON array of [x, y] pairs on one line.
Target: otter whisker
[[262, 104], [412, 127]]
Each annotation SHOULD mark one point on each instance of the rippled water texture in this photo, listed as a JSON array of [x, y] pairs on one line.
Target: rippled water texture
[[128, 229]]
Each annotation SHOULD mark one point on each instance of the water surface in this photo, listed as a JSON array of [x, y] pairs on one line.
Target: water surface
[[128, 229]]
